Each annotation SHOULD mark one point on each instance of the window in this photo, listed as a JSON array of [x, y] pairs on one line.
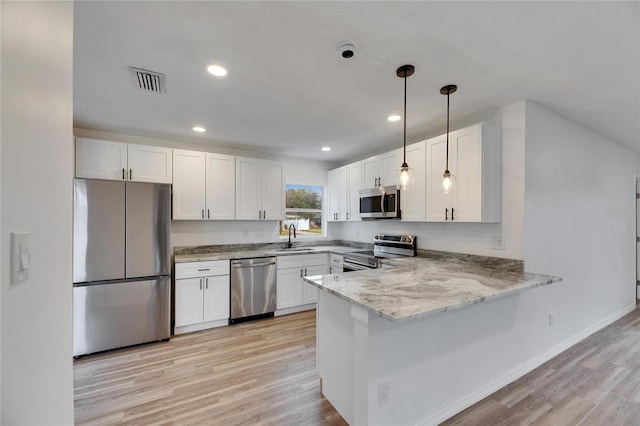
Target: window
[[303, 210]]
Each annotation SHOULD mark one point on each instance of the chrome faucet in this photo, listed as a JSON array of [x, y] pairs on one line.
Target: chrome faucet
[[290, 244]]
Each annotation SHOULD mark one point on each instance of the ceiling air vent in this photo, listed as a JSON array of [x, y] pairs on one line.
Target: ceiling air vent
[[149, 81]]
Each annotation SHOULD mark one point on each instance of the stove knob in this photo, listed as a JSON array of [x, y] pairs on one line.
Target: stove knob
[[377, 236], [403, 239]]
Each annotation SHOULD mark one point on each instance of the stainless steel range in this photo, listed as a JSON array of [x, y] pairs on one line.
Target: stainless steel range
[[384, 246]]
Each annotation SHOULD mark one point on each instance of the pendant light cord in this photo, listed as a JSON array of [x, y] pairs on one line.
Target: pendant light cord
[[447, 168], [404, 139]]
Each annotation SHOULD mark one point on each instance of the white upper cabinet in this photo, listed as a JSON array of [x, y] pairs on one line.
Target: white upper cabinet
[[337, 188], [413, 200], [150, 164], [354, 185], [203, 186], [381, 169], [475, 158], [259, 189], [189, 185], [220, 189], [344, 186], [272, 180], [99, 159]]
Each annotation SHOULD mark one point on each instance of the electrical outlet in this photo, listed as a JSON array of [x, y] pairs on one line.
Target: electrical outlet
[[552, 319], [384, 390], [497, 242]]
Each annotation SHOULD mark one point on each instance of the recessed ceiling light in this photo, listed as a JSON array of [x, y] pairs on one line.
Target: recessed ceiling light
[[394, 118], [199, 129], [326, 148], [217, 70]]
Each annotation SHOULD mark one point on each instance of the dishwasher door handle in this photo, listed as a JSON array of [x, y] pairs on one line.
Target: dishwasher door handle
[[251, 265]]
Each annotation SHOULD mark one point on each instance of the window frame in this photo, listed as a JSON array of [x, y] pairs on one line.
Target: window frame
[[321, 210]]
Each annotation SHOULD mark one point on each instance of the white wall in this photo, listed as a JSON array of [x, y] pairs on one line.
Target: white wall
[[580, 218], [187, 233], [473, 238], [36, 151]]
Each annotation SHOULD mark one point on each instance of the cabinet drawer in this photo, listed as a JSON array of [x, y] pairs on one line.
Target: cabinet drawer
[[336, 259], [202, 269], [315, 259], [287, 262]]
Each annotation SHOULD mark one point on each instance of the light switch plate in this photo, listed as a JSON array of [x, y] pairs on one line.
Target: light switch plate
[[20, 256]]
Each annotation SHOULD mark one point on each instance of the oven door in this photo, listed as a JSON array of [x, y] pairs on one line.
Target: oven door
[[380, 203], [352, 266]]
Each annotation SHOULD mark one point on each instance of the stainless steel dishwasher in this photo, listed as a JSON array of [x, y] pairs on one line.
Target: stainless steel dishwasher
[[253, 288]]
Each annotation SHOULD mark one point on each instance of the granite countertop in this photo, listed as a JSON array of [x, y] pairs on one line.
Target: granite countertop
[[202, 254], [429, 284]]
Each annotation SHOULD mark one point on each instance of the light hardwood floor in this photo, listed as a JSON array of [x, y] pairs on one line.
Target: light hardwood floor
[[595, 382], [264, 373], [260, 372]]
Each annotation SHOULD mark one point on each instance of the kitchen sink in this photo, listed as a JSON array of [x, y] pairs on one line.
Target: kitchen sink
[[296, 249]]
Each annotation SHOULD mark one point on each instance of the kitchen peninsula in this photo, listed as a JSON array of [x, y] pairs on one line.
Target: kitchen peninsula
[[421, 340]]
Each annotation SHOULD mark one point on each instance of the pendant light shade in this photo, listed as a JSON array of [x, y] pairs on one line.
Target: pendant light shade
[[404, 175], [448, 179]]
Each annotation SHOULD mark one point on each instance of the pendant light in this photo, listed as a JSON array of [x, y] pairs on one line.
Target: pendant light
[[448, 180], [404, 175]]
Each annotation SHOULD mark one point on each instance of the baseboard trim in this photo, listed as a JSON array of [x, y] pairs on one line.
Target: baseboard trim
[[521, 370], [201, 326], [293, 310]]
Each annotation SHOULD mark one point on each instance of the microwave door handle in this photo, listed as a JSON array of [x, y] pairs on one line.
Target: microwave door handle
[[384, 194]]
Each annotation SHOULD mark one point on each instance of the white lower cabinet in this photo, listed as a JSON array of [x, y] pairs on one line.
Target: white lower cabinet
[[293, 294], [202, 295]]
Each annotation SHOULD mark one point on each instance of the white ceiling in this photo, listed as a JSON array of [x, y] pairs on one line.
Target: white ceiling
[[290, 92]]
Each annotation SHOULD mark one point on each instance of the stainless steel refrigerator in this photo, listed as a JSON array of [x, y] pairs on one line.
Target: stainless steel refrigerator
[[121, 264]]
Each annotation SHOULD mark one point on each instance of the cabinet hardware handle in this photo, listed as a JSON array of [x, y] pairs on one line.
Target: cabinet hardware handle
[[347, 215], [305, 271], [207, 283], [130, 174], [204, 269], [264, 214], [200, 283], [452, 210], [203, 213], [208, 214], [376, 182], [301, 273], [446, 214], [123, 173]]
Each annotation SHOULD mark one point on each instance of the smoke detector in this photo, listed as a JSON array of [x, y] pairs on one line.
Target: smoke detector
[[149, 81]]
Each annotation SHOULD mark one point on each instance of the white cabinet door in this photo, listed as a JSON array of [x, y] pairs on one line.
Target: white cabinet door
[[466, 160], [248, 189], [272, 181], [438, 204], [98, 159], [216, 298], [413, 200], [149, 164], [354, 185], [335, 183], [189, 301], [389, 165], [188, 185], [220, 186], [371, 172], [289, 288], [310, 292]]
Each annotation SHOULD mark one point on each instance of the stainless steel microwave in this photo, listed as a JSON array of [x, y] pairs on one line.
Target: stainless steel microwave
[[380, 203]]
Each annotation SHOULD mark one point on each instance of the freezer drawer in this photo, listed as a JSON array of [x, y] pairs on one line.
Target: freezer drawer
[[118, 314]]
